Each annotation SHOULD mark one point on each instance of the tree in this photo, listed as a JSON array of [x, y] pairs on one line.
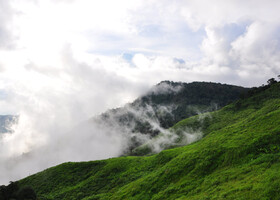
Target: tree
[[13, 191], [27, 193], [271, 81]]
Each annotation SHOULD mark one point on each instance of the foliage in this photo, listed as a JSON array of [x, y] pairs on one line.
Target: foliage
[[168, 103], [239, 158], [271, 81], [14, 192]]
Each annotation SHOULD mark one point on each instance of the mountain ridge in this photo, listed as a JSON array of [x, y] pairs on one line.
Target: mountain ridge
[[164, 105], [239, 158]]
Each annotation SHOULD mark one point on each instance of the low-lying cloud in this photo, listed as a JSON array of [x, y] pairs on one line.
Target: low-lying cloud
[[50, 131]]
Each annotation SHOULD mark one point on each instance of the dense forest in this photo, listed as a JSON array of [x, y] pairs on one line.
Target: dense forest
[[14, 192], [166, 104]]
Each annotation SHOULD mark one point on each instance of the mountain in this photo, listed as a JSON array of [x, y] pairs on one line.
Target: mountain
[[238, 158], [166, 104]]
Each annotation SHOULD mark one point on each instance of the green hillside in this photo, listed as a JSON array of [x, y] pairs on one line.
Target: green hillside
[[166, 104], [238, 158]]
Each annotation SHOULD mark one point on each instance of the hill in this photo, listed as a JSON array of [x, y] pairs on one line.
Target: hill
[[164, 105], [238, 158]]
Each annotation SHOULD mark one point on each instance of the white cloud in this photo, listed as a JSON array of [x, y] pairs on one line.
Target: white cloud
[[6, 18], [61, 61]]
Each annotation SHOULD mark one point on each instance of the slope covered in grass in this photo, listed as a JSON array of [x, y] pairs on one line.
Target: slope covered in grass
[[164, 105], [238, 158]]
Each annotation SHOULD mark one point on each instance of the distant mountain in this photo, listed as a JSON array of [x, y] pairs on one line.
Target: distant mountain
[[6, 121], [166, 104]]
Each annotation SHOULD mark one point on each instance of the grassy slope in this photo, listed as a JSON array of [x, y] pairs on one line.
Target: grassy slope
[[239, 158]]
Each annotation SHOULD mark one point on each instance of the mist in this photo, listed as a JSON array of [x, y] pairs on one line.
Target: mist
[[50, 106], [55, 128]]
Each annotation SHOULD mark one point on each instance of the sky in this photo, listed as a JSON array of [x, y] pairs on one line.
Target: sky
[[112, 51], [64, 61]]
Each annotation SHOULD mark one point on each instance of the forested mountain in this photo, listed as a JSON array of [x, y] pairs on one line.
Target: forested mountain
[[238, 158], [164, 105], [170, 102]]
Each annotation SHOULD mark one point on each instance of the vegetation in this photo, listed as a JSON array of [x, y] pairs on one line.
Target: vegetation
[[166, 104], [14, 192], [238, 158]]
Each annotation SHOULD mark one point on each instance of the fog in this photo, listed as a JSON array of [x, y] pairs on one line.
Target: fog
[[53, 128]]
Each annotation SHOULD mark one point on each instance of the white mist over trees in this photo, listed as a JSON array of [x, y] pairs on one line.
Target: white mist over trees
[[49, 136]]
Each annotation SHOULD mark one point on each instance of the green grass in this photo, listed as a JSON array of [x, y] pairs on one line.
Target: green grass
[[238, 158]]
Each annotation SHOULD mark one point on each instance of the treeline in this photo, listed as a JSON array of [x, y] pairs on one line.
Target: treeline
[[169, 107], [14, 192], [256, 90], [168, 103]]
